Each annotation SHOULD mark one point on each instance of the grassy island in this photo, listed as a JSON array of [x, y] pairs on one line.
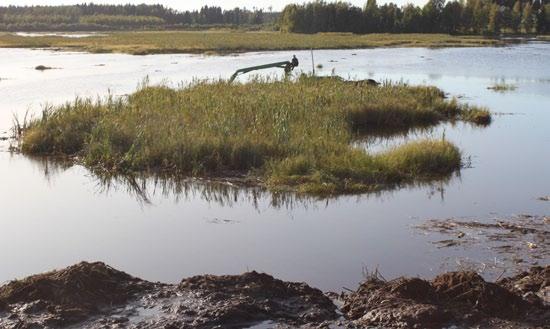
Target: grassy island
[[290, 135]]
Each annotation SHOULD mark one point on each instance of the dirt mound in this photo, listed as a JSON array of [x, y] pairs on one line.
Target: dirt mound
[[534, 285], [469, 292], [254, 297], [401, 303], [71, 294], [452, 298], [93, 295]]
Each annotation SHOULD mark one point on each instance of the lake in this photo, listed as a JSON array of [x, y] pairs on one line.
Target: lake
[[53, 215]]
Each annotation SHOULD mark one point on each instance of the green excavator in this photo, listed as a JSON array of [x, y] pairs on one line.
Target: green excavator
[[288, 66]]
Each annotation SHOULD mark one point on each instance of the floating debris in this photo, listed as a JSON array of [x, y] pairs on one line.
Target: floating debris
[[43, 68], [222, 221], [518, 242]]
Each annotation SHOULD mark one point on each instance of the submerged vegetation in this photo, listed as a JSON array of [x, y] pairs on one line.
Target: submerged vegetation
[[291, 135], [141, 43]]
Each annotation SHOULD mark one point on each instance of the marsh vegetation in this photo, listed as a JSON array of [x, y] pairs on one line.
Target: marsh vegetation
[[226, 41], [291, 135], [502, 87]]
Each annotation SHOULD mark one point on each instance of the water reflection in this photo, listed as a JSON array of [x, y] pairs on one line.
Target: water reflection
[[227, 192]]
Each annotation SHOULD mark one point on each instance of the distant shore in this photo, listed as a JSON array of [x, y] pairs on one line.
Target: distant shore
[[225, 41]]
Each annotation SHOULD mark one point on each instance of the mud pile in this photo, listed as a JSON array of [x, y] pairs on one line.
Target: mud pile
[[97, 296], [94, 295], [254, 297], [533, 285], [456, 298], [70, 295]]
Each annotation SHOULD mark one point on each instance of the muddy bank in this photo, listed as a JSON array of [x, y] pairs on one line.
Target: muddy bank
[[463, 299], [94, 295], [97, 296]]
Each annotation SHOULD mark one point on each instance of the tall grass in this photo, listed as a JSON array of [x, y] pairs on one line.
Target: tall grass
[[293, 135], [220, 41]]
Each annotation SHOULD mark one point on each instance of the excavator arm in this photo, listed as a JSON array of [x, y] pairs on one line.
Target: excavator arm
[[288, 66]]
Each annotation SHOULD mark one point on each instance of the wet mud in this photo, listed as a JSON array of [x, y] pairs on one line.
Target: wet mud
[[461, 299], [94, 295], [504, 244]]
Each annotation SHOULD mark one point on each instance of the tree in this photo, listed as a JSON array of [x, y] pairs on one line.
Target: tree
[[515, 21], [494, 19], [481, 16], [541, 23], [412, 19], [527, 18], [431, 13], [372, 16], [451, 17]]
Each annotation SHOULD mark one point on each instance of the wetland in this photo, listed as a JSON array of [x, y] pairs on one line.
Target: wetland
[[57, 211]]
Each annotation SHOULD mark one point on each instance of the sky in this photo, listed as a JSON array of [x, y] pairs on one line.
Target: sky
[[192, 4]]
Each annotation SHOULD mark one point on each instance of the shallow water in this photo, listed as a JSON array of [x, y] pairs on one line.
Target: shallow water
[[52, 216]]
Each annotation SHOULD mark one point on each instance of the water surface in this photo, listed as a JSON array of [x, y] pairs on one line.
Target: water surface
[[52, 215]]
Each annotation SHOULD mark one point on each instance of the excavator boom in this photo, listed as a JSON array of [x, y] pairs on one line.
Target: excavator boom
[[288, 66]]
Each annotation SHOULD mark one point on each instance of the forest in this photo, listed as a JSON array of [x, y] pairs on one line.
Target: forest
[[93, 17], [436, 16], [478, 17]]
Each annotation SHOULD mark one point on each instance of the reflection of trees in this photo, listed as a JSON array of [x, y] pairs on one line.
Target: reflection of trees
[[224, 192]]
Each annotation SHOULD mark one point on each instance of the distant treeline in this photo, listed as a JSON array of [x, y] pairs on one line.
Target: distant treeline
[[436, 16], [113, 17]]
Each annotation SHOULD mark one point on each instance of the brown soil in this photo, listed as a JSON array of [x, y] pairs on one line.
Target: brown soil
[[94, 295], [97, 296], [462, 298], [533, 285], [254, 297], [72, 294]]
